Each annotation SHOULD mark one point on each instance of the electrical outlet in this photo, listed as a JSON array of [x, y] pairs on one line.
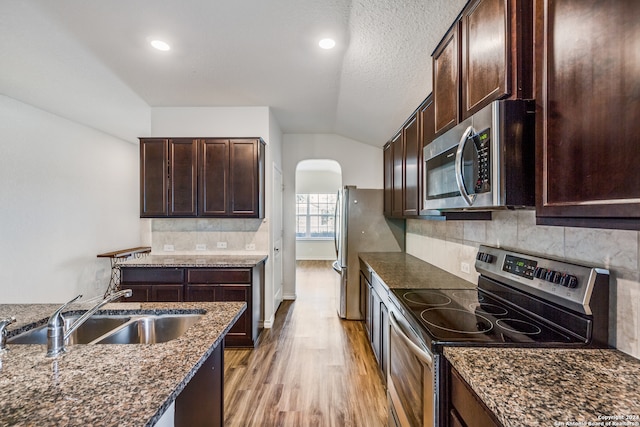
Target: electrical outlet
[[464, 267], [250, 247], [221, 245], [201, 247], [168, 248]]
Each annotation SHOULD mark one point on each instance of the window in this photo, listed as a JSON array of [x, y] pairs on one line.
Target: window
[[314, 215]]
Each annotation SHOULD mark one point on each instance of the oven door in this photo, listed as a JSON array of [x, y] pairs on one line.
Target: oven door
[[410, 378]]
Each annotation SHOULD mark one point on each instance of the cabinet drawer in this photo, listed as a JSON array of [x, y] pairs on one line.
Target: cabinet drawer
[[151, 275], [219, 275]]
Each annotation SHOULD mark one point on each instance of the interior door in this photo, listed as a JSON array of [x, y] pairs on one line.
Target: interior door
[[277, 233]]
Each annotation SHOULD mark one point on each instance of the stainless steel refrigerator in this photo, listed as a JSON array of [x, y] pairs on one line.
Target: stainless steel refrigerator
[[360, 226]]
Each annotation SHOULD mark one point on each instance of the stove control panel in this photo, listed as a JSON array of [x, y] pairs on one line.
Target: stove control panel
[[567, 284]]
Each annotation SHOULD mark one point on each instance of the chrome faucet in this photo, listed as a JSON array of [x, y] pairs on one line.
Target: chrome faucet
[[3, 332], [56, 335]]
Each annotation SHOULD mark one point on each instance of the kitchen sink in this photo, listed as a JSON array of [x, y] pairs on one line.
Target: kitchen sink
[[94, 327], [151, 330], [117, 329]]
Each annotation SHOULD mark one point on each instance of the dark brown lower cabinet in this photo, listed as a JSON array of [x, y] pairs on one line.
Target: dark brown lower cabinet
[[158, 284], [201, 403], [465, 407]]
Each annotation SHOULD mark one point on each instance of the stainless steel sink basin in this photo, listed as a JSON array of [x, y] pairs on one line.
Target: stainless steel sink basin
[[117, 329], [151, 329], [94, 327]]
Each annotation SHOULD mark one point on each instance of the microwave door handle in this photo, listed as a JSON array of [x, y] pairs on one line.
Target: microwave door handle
[[469, 198], [421, 354]]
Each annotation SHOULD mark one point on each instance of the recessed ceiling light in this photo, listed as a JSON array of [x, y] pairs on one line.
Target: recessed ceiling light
[[327, 43], [160, 45]]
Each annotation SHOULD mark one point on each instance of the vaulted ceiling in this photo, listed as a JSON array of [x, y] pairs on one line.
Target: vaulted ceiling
[[242, 53]]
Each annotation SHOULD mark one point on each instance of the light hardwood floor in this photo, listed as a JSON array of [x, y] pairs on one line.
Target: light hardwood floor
[[310, 369]]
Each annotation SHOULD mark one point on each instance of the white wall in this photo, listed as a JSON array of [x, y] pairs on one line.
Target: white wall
[[317, 181], [221, 122], [360, 164], [52, 70], [447, 244], [68, 193]]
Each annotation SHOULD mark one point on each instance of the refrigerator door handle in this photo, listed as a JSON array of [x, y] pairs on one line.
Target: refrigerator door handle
[[336, 266], [335, 223]]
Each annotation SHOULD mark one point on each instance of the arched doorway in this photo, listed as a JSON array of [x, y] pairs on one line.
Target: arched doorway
[[317, 183]]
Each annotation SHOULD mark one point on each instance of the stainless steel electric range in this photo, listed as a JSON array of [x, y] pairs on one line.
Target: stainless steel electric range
[[521, 300]]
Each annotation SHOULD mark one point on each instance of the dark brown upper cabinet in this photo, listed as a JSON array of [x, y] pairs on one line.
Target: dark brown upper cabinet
[[246, 178], [411, 159], [446, 76], [402, 158], [397, 195], [588, 110], [487, 54], [168, 174], [387, 154], [211, 177], [154, 170], [183, 177], [426, 120]]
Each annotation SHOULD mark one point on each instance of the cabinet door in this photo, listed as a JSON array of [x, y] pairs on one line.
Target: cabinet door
[[240, 334], [183, 177], [370, 302], [388, 179], [376, 327], [398, 175], [167, 293], [139, 293], [214, 177], [200, 292], [384, 339], [467, 406], [201, 403], [411, 174], [485, 47], [445, 81], [426, 136], [153, 177], [244, 178], [587, 151]]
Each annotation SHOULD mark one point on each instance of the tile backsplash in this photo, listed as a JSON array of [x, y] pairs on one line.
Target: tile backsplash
[[447, 244], [206, 236]]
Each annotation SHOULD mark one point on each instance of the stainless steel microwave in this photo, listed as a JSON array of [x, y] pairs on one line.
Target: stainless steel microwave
[[486, 162]]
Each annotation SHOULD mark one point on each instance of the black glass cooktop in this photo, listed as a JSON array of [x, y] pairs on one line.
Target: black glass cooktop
[[471, 316]]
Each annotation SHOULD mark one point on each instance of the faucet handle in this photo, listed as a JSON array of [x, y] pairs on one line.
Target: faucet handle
[[56, 317], [3, 331], [55, 330]]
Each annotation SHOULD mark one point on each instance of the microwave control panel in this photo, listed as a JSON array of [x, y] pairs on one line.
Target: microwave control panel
[[482, 142]]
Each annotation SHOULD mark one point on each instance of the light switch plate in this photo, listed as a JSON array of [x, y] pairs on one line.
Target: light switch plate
[[168, 248], [250, 247], [221, 245], [201, 247]]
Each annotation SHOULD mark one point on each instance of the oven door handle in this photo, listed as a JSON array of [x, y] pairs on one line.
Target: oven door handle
[[421, 354]]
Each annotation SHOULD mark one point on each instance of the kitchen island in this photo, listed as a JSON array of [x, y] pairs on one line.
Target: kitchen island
[[106, 384], [552, 387]]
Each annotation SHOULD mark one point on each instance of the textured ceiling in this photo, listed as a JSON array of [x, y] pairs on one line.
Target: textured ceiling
[[249, 53]]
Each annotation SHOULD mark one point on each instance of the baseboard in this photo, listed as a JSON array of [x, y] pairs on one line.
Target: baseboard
[[289, 297], [315, 258]]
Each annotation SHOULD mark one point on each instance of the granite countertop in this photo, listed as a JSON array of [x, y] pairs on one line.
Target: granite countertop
[[105, 385], [401, 270], [196, 261], [553, 387]]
